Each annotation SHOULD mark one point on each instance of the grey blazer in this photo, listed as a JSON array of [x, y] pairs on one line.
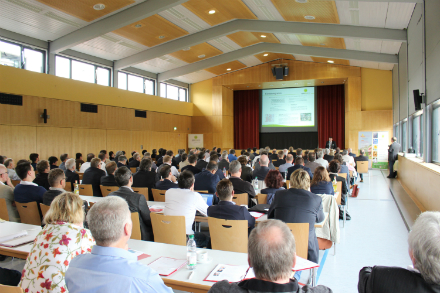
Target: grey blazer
[[393, 150]]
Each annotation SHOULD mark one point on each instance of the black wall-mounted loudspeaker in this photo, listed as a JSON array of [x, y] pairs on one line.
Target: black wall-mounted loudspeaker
[[286, 71], [45, 116], [279, 73], [417, 100]]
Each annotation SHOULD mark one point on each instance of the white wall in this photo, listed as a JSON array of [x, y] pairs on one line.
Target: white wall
[[432, 22], [396, 94], [403, 82]]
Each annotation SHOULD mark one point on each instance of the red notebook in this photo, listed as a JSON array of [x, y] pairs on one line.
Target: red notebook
[[166, 266]]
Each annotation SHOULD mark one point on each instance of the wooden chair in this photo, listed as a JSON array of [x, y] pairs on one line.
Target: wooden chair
[[277, 168], [262, 198], [80, 175], [141, 190], [15, 182], [44, 208], [29, 213], [240, 199], [158, 195], [133, 170], [202, 191], [169, 229], [136, 230], [362, 168], [301, 233], [3, 210], [85, 189], [10, 289], [287, 184], [228, 235], [106, 190], [68, 187], [343, 175]]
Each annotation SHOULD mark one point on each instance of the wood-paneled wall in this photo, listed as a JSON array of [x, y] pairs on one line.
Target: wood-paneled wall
[[70, 131]]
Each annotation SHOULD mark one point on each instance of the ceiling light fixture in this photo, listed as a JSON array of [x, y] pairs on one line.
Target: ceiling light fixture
[[201, 56], [138, 25], [330, 61], [162, 37], [266, 55], [263, 36], [301, 1], [211, 11], [228, 69], [99, 6], [309, 17]]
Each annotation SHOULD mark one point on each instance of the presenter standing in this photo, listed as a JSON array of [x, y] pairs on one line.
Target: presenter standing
[[330, 144]]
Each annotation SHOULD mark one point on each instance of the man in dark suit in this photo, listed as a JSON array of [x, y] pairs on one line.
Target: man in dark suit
[[240, 186], [168, 181], [226, 209], [261, 172], [71, 176], [191, 166], [136, 202], [201, 163], [176, 160], [132, 156], [162, 155], [277, 162], [122, 161], [57, 181], [109, 180], [207, 179], [27, 191], [274, 155], [135, 162], [330, 144], [145, 177], [43, 172], [393, 150], [327, 156], [246, 172], [299, 164], [93, 176], [424, 252], [224, 162], [361, 158]]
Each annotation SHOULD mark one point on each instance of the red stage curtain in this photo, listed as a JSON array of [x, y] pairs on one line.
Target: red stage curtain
[[246, 119], [331, 115]]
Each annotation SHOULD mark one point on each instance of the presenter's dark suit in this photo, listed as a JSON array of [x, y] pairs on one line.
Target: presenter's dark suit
[[137, 204], [165, 185], [191, 168], [93, 176], [360, 159], [331, 145], [145, 179], [379, 279], [299, 206], [71, 176], [393, 150], [227, 210], [296, 167], [108, 180], [201, 164], [205, 180], [134, 164]]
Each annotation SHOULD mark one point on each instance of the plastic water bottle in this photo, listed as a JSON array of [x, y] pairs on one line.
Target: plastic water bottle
[[224, 171], [76, 191], [256, 183], [191, 253], [285, 175]]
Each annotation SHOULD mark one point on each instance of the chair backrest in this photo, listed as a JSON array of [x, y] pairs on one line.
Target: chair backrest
[[80, 175], [169, 229], [339, 189], [301, 233], [85, 189], [362, 167], [44, 208], [141, 190], [29, 213], [3, 210], [106, 190], [68, 186], [15, 182], [287, 184], [343, 175], [277, 168], [351, 173], [228, 235], [158, 195], [10, 289], [133, 170], [136, 230], [201, 191], [241, 198], [262, 198]]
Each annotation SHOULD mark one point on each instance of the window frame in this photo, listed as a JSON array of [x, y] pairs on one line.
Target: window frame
[[429, 144], [178, 92], [420, 116], [127, 73], [29, 47]]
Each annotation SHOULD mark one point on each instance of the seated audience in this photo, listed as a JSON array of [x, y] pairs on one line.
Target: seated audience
[[117, 155], [101, 156], [53, 162], [111, 156], [424, 251], [320, 158], [153, 164], [71, 176], [306, 157], [257, 162], [361, 158], [106, 159], [299, 164], [274, 155], [35, 158], [154, 154], [349, 160], [272, 255], [63, 159], [110, 267], [159, 158], [145, 177], [337, 151], [240, 186], [122, 161], [135, 162], [109, 180], [274, 182], [299, 152], [136, 202], [224, 162], [43, 171], [61, 240], [201, 163], [311, 164], [7, 192], [333, 170], [253, 154], [79, 161], [246, 172], [321, 183], [299, 205], [57, 182], [343, 168], [27, 191], [219, 172], [167, 162], [289, 163], [9, 164], [191, 166], [207, 179], [261, 172], [86, 165], [349, 150], [184, 161], [279, 160], [232, 156], [177, 159], [185, 202], [292, 152], [93, 176], [226, 208], [329, 155], [168, 180], [132, 157]]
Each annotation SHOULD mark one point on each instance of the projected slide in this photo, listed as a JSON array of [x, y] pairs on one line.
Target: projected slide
[[292, 107]]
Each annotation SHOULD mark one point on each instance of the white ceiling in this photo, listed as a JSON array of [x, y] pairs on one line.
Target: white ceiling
[[34, 19]]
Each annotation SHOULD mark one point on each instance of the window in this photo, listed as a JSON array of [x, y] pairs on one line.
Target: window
[[21, 56], [416, 138], [135, 83], [404, 146], [436, 135], [173, 92], [83, 71]]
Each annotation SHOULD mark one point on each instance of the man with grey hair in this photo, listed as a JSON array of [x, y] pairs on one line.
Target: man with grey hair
[[320, 158], [393, 150], [257, 163], [361, 158], [257, 157], [350, 153], [122, 161], [224, 162], [272, 255], [135, 162], [424, 251], [261, 172], [71, 175], [241, 186], [347, 158], [327, 156], [147, 155], [110, 267]]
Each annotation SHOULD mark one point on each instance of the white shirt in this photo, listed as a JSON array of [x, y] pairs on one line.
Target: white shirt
[[28, 183], [84, 167], [103, 167], [13, 175], [283, 168], [348, 159], [322, 162], [184, 202]]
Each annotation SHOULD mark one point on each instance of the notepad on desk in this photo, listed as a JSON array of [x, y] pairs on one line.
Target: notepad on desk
[[139, 254], [16, 239], [256, 215], [165, 266]]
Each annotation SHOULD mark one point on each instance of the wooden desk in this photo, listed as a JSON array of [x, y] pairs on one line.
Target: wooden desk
[[21, 251]]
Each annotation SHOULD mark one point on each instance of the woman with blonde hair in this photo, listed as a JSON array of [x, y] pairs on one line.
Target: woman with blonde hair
[[321, 183], [299, 205], [56, 245]]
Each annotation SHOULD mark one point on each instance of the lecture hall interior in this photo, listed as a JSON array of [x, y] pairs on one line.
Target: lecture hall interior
[[89, 75]]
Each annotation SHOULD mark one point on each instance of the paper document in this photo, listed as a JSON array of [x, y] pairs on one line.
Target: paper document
[[139, 254], [165, 266], [157, 209], [227, 272], [13, 236], [17, 239], [256, 215]]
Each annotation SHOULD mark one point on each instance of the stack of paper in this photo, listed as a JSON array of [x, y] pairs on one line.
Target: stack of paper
[[227, 272], [165, 266], [16, 239]]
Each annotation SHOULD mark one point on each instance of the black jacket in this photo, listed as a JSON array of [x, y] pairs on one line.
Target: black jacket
[[246, 173], [201, 164], [166, 184], [134, 164], [223, 164], [118, 164], [328, 158], [278, 162], [49, 196], [108, 180], [292, 169], [229, 211], [137, 203], [93, 176], [331, 145], [41, 180], [71, 177], [241, 186], [145, 179], [260, 173], [191, 168]]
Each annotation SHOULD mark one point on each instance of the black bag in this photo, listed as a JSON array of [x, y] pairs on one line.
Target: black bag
[[261, 208]]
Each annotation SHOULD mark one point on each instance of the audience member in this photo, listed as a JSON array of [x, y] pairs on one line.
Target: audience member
[[122, 161], [27, 191], [299, 164], [333, 169], [261, 172], [167, 162], [328, 156], [424, 251], [62, 239], [117, 155], [71, 176], [350, 153], [274, 155], [93, 176], [109, 179], [320, 160], [184, 161], [154, 154], [9, 164], [343, 168], [279, 160], [145, 177], [101, 156], [159, 158], [7, 192], [147, 155], [306, 157], [143, 152], [272, 255], [241, 186], [53, 162], [57, 182], [337, 151], [201, 163], [43, 171], [185, 202], [86, 165], [168, 180], [106, 158], [207, 179], [79, 161], [349, 160], [289, 163], [111, 156], [35, 158], [292, 152], [132, 157], [274, 182], [110, 267], [136, 201], [219, 172], [232, 156], [321, 183], [191, 165], [253, 154], [299, 152], [311, 164], [63, 159], [246, 172], [299, 205], [177, 159], [361, 158], [257, 162], [224, 162]]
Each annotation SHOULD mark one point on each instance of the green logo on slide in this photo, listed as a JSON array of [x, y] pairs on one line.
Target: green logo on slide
[[305, 90], [195, 137]]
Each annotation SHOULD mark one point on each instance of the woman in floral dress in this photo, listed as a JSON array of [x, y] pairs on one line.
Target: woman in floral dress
[[61, 239]]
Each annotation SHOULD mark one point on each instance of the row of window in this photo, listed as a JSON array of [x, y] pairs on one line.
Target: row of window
[[21, 56]]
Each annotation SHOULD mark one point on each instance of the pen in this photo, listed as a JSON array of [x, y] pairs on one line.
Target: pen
[[190, 275]]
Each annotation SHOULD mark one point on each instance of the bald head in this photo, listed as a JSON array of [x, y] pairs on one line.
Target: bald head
[[3, 170], [264, 160]]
